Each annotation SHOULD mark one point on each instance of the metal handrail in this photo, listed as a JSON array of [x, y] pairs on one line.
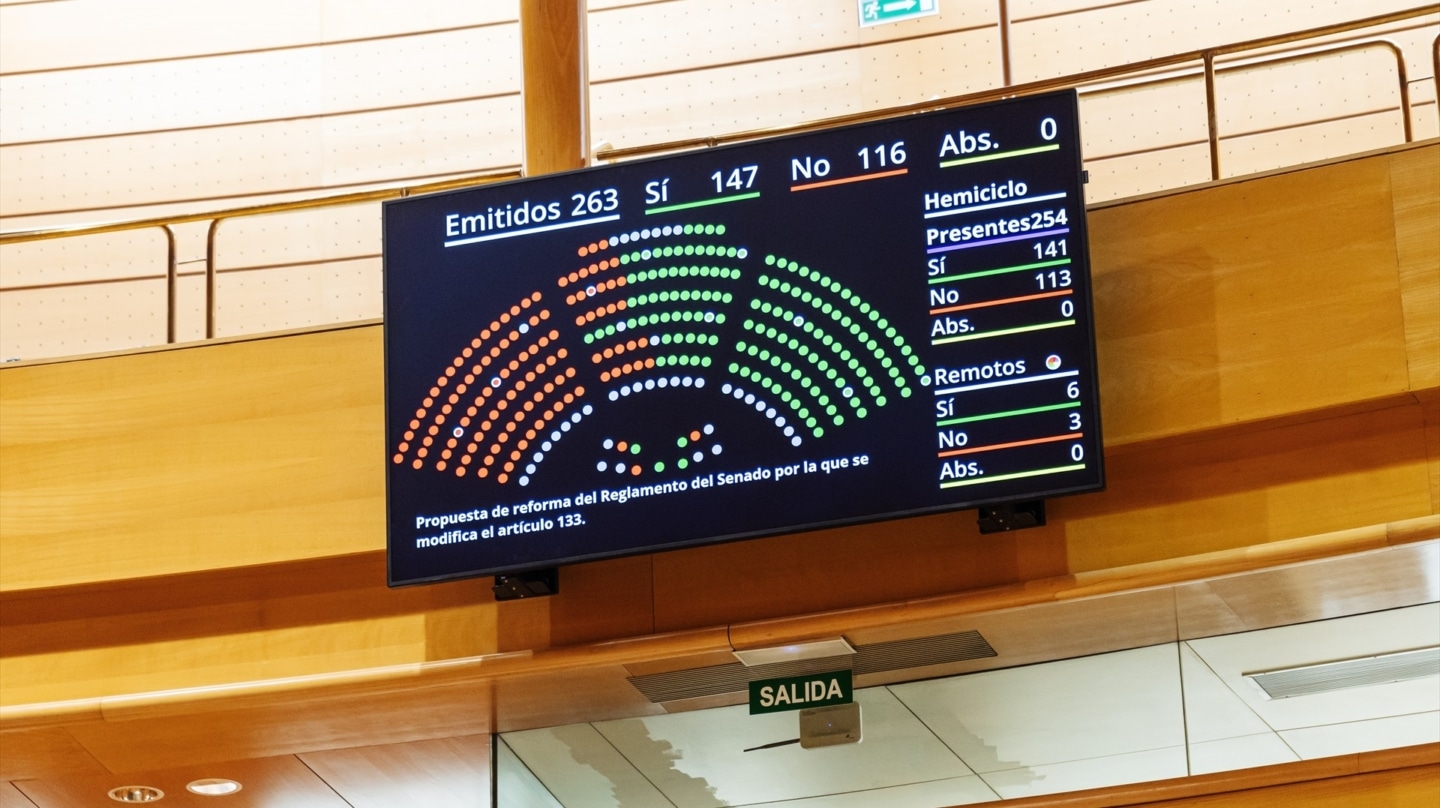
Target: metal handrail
[[1030, 88], [1206, 56]]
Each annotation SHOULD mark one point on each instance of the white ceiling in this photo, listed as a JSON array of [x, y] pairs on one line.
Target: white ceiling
[[1144, 714]]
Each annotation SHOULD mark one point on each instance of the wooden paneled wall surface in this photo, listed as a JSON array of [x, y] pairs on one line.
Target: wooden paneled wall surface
[[212, 515], [122, 110]]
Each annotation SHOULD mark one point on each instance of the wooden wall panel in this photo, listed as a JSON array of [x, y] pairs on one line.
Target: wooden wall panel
[[1417, 787], [444, 773], [1247, 301], [49, 752], [217, 456]]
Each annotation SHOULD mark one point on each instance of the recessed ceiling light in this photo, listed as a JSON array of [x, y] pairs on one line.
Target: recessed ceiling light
[[136, 794], [213, 787]]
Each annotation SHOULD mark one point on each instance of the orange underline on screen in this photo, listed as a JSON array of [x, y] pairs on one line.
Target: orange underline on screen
[[1021, 299], [860, 178], [1012, 445]]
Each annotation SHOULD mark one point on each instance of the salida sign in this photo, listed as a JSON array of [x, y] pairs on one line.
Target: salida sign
[[801, 692]]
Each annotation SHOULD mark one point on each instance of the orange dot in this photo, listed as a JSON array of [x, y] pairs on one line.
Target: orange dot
[[630, 346], [530, 434], [509, 466], [562, 282], [494, 352], [621, 446], [610, 309], [539, 424], [466, 458], [535, 295], [525, 303], [650, 363], [604, 243], [459, 471], [470, 450], [442, 381], [570, 300], [695, 435], [446, 409], [433, 429], [439, 419], [422, 453], [569, 398], [594, 248], [446, 454], [475, 343], [417, 464], [615, 262], [635, 470], [534, 320], [574, 276], [620, 281], [490, 458], [549, 388], [414, 424], [579, 391], [605, 376], [515, 455], [569, 371], [483, 473], [562, 353], [621, 305], [399, 458], [409, 435], [529, 405], [504, 317], [420, 413], [440, 465], [581, 319], [514, 311], [584, 250], [545, 315], [594, 269], [404, 446], [589, 317], [465, 421], [486, 333]]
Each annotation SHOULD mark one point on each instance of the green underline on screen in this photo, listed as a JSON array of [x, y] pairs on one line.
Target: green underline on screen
[[1017, 475], [970, 419], [719, 200], [1001, 271], [999, 155]]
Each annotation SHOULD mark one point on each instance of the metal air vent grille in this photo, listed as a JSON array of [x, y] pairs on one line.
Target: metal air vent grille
[[1376, 670], [718, 680]]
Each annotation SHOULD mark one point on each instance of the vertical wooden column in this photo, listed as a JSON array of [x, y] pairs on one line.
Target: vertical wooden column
[[555, 87], [555, 94]]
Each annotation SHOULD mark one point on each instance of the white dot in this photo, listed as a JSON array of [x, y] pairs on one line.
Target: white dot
[[564, 426], [495, 381], [663, 382], [800, 321], [601, 466], [634, 235], [742, 252], [699, 382], [530, 468], [576, 417], [459, 432], [614, 396], [770, 413], [795, 441], [925, 380], [621, 326], [789, 430], [546, 446], [687, 381], [749, 398], [674, 381], [538, 457], [759, 406], [589, 291], [645, 233], [698, 456], [625, 391], [738, 393], [649, 384], [645, 254], [587, 409], [848, 392], [555, 435], [524, 480], [709, 316], [524, 328], [724, 388], [780, 421], [637, 387], [709, 429], [715, 450], [619, 468], [608, 444]]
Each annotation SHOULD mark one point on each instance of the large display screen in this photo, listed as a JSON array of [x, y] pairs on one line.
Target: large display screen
[[867, 322]]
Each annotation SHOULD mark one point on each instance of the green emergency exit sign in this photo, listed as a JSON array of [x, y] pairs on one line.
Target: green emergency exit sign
[[880, 12], [801, 692]]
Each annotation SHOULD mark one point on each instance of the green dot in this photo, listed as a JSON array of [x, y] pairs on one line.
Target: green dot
[[769, 260], [810, 422], [828, 340], [879, 401], [885, 361], [905, 393], [720, 318], [827, 308], [734, 367], [705, 362], [682, 463], [625, 259], [860, 413], [709, 229], [720, 229], [589, 338]]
